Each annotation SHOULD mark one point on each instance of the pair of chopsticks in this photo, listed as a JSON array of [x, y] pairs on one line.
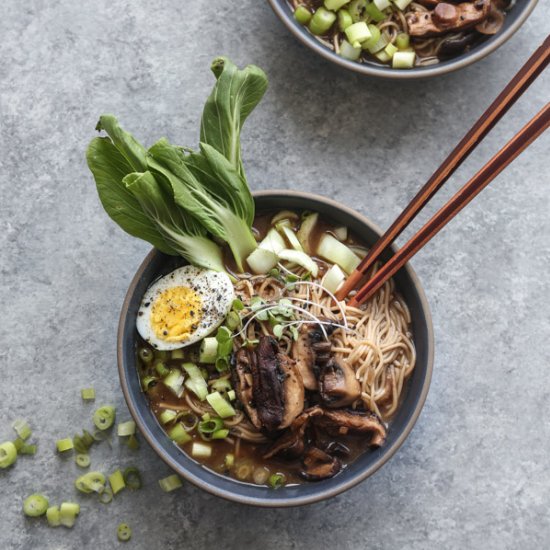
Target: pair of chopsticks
[[531, 131]]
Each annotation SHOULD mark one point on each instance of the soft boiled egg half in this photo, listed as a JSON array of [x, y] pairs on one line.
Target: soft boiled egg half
[[184, 306]]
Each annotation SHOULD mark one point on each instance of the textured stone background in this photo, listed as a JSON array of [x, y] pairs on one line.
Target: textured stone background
[[475, 471]]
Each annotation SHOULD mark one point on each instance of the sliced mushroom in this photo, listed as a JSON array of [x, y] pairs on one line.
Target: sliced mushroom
[[456, 43], [494, 21], [345, 421], [319, 465], [268, 385], [447, 17], [338, 385], [433, 3], [291, 443], [309, 350]]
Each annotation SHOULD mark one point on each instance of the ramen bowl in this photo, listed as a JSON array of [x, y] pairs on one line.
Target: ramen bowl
[[513, 21], [157, 264]]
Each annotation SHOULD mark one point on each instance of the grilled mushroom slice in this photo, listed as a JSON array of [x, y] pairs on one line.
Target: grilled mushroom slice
[[309, 350], [494, 21], [344, 421], [338, 385], [268, 385], [447, 17], [319, 465]]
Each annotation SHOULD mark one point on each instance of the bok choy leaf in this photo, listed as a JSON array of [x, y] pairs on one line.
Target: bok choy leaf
[[235, 95], [220, 200], [180, 231]]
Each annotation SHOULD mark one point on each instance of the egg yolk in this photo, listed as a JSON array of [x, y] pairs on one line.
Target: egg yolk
[[176, 314]]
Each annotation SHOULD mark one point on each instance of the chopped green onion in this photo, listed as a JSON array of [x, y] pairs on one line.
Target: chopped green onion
[[22, 429], [64, 445], [321, 21], [220, 434], [53, 516], [127, 428], [367, 45], [403, 60], [201, 450], [231, 395], [132, 478], [210, 426], [229, 460], [88, 394], [357, 33], [146, 355], [196, 383], [390, 49], [402, 4], [123, 532], [178, 434], [233, 320], [174, 381], [18, 443], [208, 350], [178, 353], [374, 13], [221, 384], [347, 51], [133, 442], [223, 334], [116, 481], [68, 512], [79, 445], [106, 496], [225, 348], [87, 438], [382, 4], [92, 482], [35, 505], [100, 435], [344, 20], [104, 417], [276, 480], [237, 305], [170, 483], [220, 405], [302, 15], [335, 5], [167, 416], [161, 369], [82, 460], [27, 450], [148, 382], [402, 41]]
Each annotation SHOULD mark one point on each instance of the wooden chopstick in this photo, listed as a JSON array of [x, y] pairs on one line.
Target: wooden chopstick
[[531, 131], [511, 93]]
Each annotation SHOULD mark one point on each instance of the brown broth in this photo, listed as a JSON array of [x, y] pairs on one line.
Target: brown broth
[[250, 454]]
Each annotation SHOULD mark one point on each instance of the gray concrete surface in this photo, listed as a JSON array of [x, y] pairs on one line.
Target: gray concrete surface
[[475, 471]]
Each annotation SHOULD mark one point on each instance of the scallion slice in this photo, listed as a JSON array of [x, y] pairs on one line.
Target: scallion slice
[[276, 480], [170, 483], [201, 450], [123, 532], [229, 460], [196, 383], [53, 516], [161, 369], [133, 442], [28, 450], [35, 505], [82, 460], [106, 496], [231, 395], [116, 480], [22, 429], [125, 429], [68, 512], [92, 482], [174, 381], [178, 434], [132, 478], [104, 417], [19, 443], [220, 434], [221, 384], [208, 350], [210, 426], [64, 445], [177, 353], [88, 394], [220, 405], [167, 416]]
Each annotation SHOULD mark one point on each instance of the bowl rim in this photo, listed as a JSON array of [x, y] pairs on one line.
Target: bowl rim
[[290, 501], [411, 74]]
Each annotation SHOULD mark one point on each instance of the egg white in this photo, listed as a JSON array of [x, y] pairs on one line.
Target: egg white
[[215, 290]]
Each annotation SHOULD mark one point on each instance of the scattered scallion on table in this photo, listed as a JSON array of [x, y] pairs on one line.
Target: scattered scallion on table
[[35, 505], [170, 483], [124, 533]]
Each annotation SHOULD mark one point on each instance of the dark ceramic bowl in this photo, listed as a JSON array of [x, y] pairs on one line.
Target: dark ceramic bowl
[[514, 19], [156, 264]]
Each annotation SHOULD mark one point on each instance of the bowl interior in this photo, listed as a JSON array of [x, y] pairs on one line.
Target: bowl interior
[[514, 19], [157, 264]]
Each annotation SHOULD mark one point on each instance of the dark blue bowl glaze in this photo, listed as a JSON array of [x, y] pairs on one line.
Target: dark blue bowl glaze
[[514, 19], [157, 264]]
